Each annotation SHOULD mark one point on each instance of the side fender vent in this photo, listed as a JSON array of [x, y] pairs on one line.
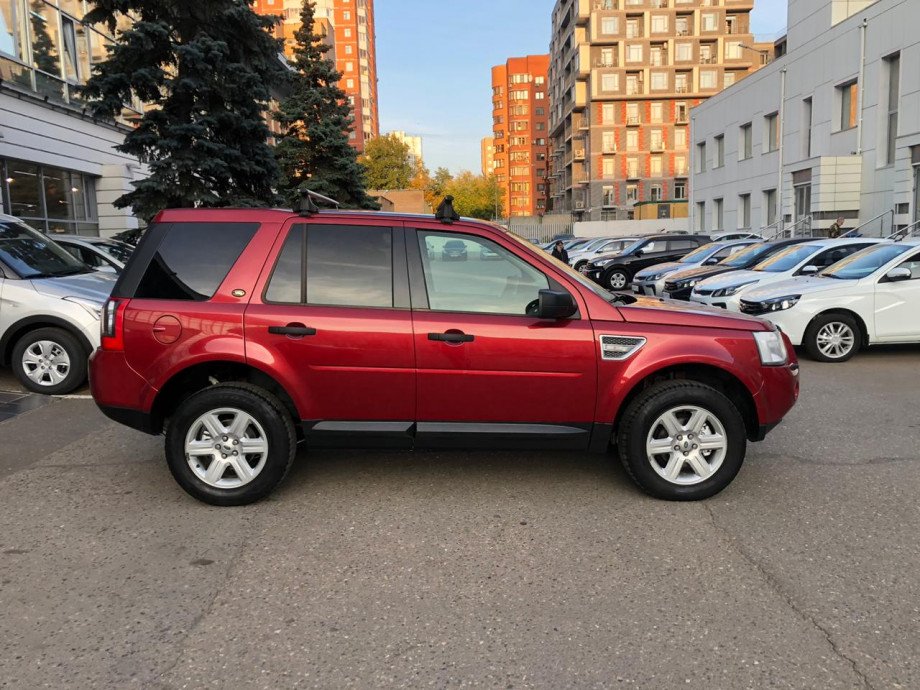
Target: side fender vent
[[620, 347]]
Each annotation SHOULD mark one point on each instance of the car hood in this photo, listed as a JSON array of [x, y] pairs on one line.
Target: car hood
[[604, 257], [796, 286], [666, 312], [667, 268], [700, 272], [732, 279], [94, 286]]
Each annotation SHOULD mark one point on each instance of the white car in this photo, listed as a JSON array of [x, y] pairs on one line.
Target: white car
[[806, 258], [581, 257], [650, 281], [871, 297], [106, 255]]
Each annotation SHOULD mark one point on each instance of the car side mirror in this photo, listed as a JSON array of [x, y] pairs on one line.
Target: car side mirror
[[638, 252], [809, 270], [896, 275], [556, 305], [712, 261]]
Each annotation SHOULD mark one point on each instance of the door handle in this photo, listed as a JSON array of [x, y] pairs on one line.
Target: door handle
[[451, 337], [292, 329]]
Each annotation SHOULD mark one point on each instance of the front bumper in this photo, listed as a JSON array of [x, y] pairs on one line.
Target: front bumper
[[644, 287]]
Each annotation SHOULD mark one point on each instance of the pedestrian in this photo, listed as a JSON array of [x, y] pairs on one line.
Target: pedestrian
[[560, 253], [836, 228]]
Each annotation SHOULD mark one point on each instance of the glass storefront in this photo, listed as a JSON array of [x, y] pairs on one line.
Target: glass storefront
[[49, 199]]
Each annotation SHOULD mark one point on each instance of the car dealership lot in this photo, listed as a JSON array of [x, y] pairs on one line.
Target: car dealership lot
[[521, 569]]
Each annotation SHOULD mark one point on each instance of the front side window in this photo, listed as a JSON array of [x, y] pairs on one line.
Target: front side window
[[866, 262], [787, 259], [464, 273]]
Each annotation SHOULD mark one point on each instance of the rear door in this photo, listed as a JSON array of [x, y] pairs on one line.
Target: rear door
[[331, 316], [489, 373]]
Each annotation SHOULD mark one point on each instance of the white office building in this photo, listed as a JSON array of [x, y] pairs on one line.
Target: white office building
[[830, 129], [59, 169]]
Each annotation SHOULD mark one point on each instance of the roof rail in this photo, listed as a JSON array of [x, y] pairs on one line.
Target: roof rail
[[309, 202], [446, 213], [854, 231], [912, 230]]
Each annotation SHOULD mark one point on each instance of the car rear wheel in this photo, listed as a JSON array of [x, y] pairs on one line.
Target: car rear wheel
[[833, 338], [230, 444], [616, 279], [682, 441], [580, 266], [49, 361]]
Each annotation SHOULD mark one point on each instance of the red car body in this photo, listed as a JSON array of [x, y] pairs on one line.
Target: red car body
[[376, 377]]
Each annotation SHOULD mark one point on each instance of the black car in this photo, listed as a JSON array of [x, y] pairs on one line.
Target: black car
[[679, 285], [454, 250], [616, 271]]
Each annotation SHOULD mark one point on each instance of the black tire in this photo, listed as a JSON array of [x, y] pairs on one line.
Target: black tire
[[639, 419], [76, 355], [843, 323], [579, 265], [265, 409], [616, 278]]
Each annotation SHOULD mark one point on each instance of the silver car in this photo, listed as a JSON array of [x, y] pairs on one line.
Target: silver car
[[109, 256], [50, 304]]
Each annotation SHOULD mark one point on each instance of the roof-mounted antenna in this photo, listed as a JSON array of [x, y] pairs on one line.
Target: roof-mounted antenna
[[446, 213], [310, 201]]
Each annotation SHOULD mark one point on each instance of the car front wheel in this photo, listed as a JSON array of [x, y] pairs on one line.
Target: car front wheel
[[682, 441], [616, 279], [230, 444], [49, 361], [832, 338]]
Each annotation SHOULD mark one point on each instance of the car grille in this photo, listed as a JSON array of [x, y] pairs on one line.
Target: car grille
[[704, 291], [752, 308], [671, 287]]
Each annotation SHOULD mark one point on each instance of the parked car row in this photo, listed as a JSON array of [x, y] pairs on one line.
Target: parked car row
[[51, 297]]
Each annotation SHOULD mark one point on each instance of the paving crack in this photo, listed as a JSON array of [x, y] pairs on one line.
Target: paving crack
[[775, 587]]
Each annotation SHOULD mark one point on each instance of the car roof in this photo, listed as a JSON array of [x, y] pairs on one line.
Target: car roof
[[280, 215]]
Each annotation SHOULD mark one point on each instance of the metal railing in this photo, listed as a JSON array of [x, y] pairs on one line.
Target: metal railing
[[793, 231], [764, 230], [912, 230], [855, 232]]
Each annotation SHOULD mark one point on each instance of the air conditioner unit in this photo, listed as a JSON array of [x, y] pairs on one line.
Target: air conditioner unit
[[579, 205]]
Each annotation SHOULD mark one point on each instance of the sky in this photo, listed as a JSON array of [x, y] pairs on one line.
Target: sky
[[434, 61]]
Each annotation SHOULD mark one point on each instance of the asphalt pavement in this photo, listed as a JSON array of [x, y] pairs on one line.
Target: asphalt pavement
[[503, 570]]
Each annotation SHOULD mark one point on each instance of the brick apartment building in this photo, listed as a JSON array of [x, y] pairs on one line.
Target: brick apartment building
[[520, 115], [624, 75], [348, 27]]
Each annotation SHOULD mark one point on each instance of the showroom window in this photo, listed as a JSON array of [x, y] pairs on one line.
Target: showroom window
[[53, 200]]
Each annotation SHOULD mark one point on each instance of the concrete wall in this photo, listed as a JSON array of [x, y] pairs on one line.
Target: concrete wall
[[624, 228]]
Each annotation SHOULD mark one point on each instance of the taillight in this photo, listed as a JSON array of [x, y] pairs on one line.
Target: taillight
[[113, 325]]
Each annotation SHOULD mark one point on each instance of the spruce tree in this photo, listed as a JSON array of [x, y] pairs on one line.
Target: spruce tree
[[206, 69], [314, 152]]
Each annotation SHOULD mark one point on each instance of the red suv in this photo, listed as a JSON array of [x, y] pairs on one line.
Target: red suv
[[240, 332]]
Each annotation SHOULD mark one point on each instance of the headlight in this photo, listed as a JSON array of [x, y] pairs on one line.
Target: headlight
[[602, 263], [781, 303], [771, 347], [684, 284], [93, 308], [729, 291]]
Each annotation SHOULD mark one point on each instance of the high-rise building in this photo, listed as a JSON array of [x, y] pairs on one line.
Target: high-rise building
[[487, 152], [348, 27], [356, 59], [520, 112], [414, 144], [624, 75]]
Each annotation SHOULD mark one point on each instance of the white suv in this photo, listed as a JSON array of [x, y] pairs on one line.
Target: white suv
[[870, 297], [50, 305], [808, 258]]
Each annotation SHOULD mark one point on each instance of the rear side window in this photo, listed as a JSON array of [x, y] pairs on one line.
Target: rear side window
[[193, 259], [348, 266], [678, 245]]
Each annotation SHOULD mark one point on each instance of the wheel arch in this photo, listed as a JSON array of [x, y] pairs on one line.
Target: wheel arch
[[723, 381], [200, 376], [32, 323], [863, 328]]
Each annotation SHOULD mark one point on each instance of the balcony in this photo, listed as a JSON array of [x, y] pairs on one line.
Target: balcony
[[602, 63], [603, 5], [632, 120]]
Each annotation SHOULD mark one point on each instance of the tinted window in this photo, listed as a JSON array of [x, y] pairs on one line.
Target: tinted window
[[286, 284], [699, 254], [832, 256], [865, 262], [750, 254], [788, 258], [193, 259], [350, 266], [33, 255], [678, 245], [119, 250], [488, 280]]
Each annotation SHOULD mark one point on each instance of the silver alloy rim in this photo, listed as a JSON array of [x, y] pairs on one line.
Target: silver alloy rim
[[226, 448], [686, 445], [835, 339], [46, 363], [617, 281]]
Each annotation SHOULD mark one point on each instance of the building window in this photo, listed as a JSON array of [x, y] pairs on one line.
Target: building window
[[609, 144], [717, 218], [769, 204], [657, 112], [806, 126], [610, 82], [682, 82], [683, 52], [608, 111], [680, 138], [708, 79], [700, 216], [609, 167], [609, 25], [710, 21], [632, 113], [744, 211], [747, 141], [609, 197], [632, 140], [801, 185], [655, 192], [634, 53], [632, 28], [659, 81], [49, 199], [680, 165], [632, 167], [893, 67], [720, 151], [632, 192], [659, 24], [728, 79], [771, 132], [701, 157], [655, 166], [848, 99], [680, 189]]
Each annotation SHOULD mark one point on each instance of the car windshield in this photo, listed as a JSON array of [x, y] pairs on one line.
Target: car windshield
[[865, 262], [747, 255], [788, 258], [117, 250], [631, 249], [700, 254], [593, 244], [32, 254], [574, 244]]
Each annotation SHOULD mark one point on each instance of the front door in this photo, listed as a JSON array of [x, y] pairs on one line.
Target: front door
[[487, 372], [897, 305], [331, 314]]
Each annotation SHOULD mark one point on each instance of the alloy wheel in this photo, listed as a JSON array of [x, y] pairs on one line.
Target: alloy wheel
[[618, 280], [226, 448], [686, 445], [835, 340], [46, 363]]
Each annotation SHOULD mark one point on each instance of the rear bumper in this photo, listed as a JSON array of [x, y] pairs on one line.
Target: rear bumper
[[120, 392], [142, 421]]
